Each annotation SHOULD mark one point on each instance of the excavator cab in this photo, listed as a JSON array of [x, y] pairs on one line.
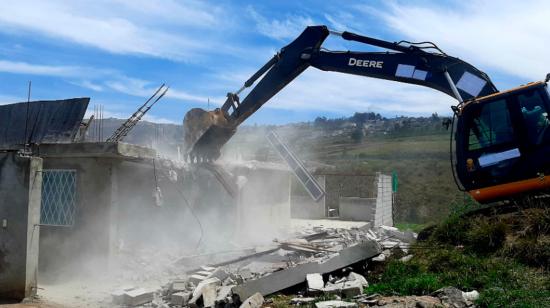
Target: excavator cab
[[503, 143]]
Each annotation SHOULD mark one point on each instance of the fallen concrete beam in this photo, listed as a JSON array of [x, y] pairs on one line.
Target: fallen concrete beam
[[292, 276]]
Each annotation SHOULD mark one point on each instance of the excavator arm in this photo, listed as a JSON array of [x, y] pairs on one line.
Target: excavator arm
[[415, 63]]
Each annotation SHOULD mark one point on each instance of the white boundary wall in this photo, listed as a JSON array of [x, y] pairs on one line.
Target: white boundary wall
[[384, 205]]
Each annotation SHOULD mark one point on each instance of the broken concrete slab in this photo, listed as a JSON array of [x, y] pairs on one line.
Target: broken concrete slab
[[196, 279], [224, 294], [358, 277], [138, 297], [180, 298], [178, 286], [348, 289], [254, 301], [207, 290], [119, 295], [335, 304], [315, 281], [219, 273], [406, 258], [294, 275]]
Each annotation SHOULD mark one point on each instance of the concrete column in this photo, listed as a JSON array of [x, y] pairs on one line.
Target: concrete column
[[20, 200], [33, 227]]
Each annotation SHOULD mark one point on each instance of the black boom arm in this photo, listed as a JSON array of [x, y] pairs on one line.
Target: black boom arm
[[422, 64]]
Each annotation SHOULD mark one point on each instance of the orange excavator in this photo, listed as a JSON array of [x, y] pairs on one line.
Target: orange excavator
[[502, 139]]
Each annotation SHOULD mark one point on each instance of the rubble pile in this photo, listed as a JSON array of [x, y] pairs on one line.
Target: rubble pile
[[308, 258]]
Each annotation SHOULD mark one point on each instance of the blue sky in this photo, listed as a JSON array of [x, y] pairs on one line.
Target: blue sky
[[118, 52]]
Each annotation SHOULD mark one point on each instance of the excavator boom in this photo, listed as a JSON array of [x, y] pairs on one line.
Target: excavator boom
[[422, 64]]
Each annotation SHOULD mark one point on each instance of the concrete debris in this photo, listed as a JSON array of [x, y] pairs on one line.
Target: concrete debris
[[291, 276], [358, 277], [219, 273], [471, 296], [315, 282], [346, 288], [196, 279], [136, 297], [335, 304], [207, 289], [379, 258], [180, 298], [224, 294], [252, 274], [254, 301], [406, 258], [178, 286], [452, 297]]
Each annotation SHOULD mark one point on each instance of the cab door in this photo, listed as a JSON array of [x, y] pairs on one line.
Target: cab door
[[490, 149]]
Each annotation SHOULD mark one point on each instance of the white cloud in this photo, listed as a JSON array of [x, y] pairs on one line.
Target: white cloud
[[87, 84], [98, 24], [508, 36], [15, 67], [288, 28], [340, 93], [144, 88]]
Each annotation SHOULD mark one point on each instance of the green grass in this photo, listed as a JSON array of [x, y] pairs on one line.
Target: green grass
[[410, 227], [482, 254], [498, 280]]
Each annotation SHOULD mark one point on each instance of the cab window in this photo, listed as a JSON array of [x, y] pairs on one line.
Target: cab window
[[491, 125], [535, 115]]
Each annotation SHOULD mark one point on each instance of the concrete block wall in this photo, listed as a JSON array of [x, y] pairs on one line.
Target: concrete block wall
[[384, 201], [20, 196]]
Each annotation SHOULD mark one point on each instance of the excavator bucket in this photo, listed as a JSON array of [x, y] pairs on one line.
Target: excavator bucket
[[205, 132]]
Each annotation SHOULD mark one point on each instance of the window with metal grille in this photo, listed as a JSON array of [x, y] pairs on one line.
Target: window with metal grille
[[58, 197]]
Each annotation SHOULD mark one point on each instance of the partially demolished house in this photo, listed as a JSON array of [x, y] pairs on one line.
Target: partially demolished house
[[64, 203]]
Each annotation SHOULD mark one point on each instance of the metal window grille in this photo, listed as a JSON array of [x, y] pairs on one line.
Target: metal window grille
[[58, 197]]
